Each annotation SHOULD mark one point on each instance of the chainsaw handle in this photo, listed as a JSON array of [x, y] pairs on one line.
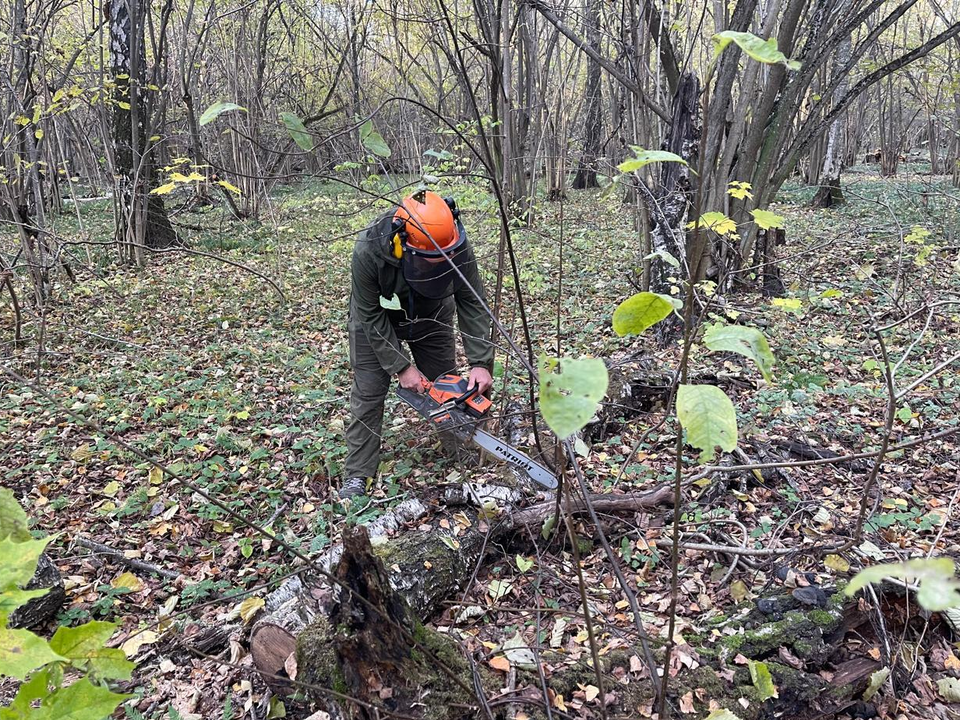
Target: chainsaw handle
[[466, 396]]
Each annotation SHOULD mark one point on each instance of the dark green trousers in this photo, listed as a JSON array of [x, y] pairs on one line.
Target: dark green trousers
[[433, 346]]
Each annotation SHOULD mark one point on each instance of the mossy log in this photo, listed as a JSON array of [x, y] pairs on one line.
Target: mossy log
[[801, 646], [365, 650]]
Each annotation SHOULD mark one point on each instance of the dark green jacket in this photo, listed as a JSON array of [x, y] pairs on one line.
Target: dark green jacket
[[376, 273]]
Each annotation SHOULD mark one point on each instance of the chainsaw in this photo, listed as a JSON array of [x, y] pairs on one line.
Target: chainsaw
[[451, 407]]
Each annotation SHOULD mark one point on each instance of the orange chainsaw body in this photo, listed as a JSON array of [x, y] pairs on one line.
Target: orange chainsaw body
[[453, 388]]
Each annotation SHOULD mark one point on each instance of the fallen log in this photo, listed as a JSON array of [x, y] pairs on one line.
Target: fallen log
[[425, 568], [364, 652], [41, 609]]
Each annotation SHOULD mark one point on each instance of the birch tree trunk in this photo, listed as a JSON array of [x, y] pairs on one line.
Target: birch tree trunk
[[830, 192]]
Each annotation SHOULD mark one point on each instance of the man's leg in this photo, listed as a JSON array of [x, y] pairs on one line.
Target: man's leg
[[370, 385], [433, 343]]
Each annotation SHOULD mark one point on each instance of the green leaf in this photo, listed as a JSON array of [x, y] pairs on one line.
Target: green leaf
[[938, 586], [391, 304], [10, 600], [373, 141], [665, 256], [35, 688], [80, 701], [297, 130], [746, 341], [518, 652], [904, 414], [762, 681], [876, 681], [523, 564], [218, 109], [637, 313], [20, 561], [766, 219], [645, 157], [22, 652], [277, 709], [568, 398], [709, 418], [548, 525], [764, 51], [84, 647], [949, 689], [721, 714], [13, 520]]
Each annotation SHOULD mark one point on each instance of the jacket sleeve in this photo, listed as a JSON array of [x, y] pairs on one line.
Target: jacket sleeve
[[371, 316], [474, 320]]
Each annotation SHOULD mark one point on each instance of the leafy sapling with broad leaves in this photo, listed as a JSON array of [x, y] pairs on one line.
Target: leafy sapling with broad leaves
[[39, 664]]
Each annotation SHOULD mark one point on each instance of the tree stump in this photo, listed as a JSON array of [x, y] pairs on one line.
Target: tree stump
[[373, 653]]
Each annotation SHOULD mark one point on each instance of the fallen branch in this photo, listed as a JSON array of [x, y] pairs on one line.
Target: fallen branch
[[118, 555]]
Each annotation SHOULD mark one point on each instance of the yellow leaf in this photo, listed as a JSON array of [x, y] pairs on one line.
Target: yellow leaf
[[590, 693], [559, 704], [500, 663], [249, 608], [111, 488], [123, 105], [222, 526], [836, 563], [127, 580], [229, 186], [179, 177], [81, 453], [716, 221], [195, 177], [136, 641], [38, 133], [155, 476], [164, 189], [787, 303]]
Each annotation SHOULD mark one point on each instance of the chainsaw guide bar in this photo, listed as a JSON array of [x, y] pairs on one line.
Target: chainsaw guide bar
[[451, 408]]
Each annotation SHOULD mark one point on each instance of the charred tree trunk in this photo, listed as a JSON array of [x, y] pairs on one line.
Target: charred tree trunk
[[586, 176], [141, 218], [670, 201], [766, 260]]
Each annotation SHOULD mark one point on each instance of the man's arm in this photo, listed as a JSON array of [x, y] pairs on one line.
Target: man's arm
[[372, 317]]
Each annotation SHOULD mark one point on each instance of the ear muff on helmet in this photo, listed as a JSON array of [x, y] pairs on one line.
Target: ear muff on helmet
[[398, 238]]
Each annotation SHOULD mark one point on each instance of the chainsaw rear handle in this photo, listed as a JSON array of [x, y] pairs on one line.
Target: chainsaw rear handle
[[453, 389]]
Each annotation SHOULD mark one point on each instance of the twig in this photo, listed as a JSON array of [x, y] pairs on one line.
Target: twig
[[118, 555]]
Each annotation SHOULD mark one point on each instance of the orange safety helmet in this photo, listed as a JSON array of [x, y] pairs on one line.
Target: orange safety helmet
[[428, 224], [432, 244]]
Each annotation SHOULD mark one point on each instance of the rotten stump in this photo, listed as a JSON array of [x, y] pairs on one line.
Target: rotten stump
[[372, 655]]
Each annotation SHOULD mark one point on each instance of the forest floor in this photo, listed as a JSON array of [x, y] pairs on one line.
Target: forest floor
[[199, 364]]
